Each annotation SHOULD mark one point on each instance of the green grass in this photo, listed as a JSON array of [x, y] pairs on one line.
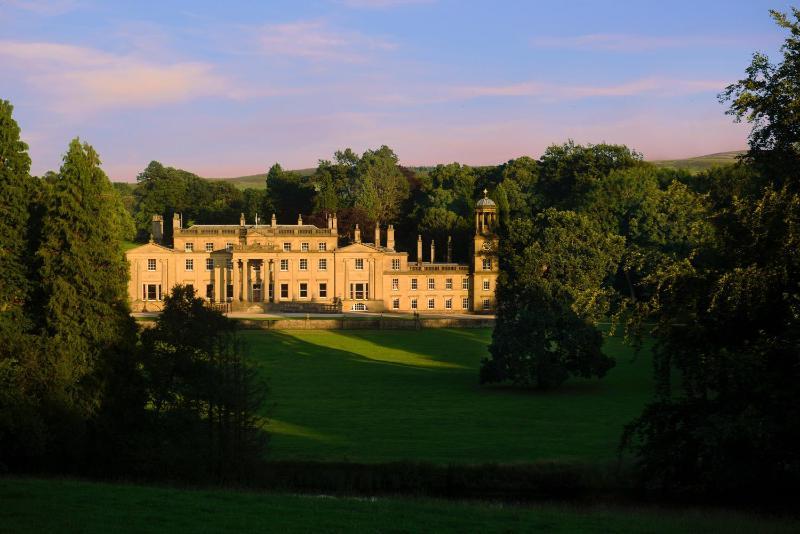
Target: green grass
[[700, 163], [31, 505], [376, 396]]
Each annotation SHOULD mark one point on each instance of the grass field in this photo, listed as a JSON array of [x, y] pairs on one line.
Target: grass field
[[63, 506], [377, 396]]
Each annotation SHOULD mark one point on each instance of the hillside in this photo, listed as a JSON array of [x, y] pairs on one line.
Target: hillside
[[700, 163]]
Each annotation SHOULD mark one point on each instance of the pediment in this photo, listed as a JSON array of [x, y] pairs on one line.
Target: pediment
[[358, 247], [149, 248]]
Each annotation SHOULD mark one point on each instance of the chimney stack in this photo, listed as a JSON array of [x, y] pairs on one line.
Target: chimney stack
[[357, 234], [377, 234], [390, 237], [419, 249], [158, 228], [449, 249], [274, 221], [241, 219], [335, 224], [433, 251], [299, 219]]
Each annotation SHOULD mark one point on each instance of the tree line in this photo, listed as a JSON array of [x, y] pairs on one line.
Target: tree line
[[82, 391], [708, 265]]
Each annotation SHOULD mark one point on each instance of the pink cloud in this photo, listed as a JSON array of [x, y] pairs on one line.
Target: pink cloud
[[316, 41], [79, 79]]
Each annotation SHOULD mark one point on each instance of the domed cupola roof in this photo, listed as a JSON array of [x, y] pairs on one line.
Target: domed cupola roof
[[485, 201]]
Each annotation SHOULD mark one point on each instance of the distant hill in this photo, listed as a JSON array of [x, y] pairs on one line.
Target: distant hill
[[700, 163], [693, 165]]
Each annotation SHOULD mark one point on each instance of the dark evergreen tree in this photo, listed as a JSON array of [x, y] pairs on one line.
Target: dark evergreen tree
[[83, 278]]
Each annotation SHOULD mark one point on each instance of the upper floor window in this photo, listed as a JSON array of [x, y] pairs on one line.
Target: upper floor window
[[229, 247], [209, 247], [431, 283], [209, 264], [486, 284], [395, 264], [360, 263], [303, 264], [303, 247], [465, 283], [448, 283], [189, 265], [322, 264], [487, 264], [188, 247], [323, 246], [395, 284], [284, 265], [151, 264], [414, 283], [287, 247]]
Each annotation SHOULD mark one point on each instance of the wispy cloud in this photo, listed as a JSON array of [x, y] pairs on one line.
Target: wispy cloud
[[77, 79], [619, 42], [646, 86], [317, 41]]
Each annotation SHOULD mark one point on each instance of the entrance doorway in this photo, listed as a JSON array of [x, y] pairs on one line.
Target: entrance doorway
[[257, 292]]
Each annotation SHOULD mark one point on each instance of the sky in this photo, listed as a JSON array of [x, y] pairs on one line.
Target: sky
[[229, 88]]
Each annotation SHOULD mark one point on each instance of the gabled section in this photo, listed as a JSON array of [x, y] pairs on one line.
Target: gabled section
[[149, 248], [360, 247]]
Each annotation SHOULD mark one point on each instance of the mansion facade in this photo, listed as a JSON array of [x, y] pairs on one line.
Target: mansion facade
[[262, 267]]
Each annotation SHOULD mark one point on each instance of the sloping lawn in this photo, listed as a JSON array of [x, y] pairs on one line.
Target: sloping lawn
[[377, 396]]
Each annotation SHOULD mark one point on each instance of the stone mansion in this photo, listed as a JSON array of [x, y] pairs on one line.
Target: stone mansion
[[262, 267]]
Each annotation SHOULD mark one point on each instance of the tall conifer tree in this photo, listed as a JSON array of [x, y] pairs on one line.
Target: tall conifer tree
[[83, 280]]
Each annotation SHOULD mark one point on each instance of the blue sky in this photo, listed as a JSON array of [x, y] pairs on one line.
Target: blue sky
[[229, 88]]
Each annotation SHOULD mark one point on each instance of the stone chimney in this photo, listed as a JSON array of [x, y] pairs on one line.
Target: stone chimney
[[419, 249], [377, 234], [390, 237], [357, 234], [335, 224], [158, 228], [299, 219], [274, 221], [433, 251], [241, 219]]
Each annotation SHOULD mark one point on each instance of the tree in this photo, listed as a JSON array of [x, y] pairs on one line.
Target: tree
[[381, 187], [205, 396], [769, 98], [21, 429], [550, 294], [84, 316], [288, 194], [568, 172], [726, 415]]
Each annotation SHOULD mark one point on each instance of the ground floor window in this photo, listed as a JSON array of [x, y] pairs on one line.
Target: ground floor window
[[284, 291], [323, 290], [229, 291], [151, 292], [413, 304], [303, 290], [395, 304], [465, 303], [448, 304], [190, 289], [431, 304], [359, 291], [271, 291], [210, 291], [257, 292], [486, 304]]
